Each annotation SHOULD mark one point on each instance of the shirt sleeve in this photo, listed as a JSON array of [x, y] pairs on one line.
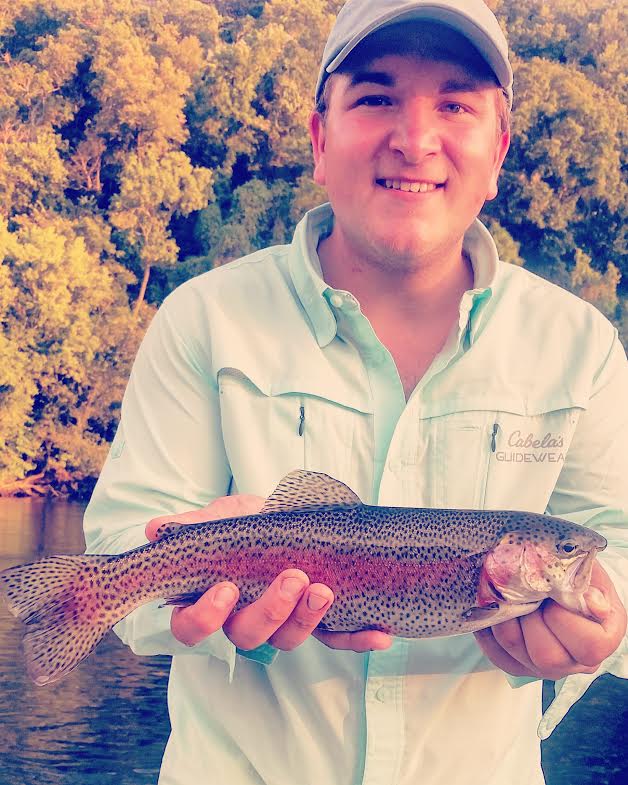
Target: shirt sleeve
[[167, 457], [592, 490]]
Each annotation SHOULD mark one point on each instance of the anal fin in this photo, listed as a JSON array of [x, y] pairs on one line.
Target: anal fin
[[182, 600]]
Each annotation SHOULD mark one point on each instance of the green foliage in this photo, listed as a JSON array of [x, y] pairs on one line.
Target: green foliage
[[599, 289], [507, 246], [66, 344], [145, 142], [562, 190], [154, 186]]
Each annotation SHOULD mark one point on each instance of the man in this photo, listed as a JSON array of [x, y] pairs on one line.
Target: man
[[389, 348]]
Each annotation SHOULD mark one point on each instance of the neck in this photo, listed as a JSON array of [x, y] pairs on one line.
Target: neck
[[424, 288]]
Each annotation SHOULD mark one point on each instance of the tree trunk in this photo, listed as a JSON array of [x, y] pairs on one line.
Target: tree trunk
[[140, 296], [28, 486]]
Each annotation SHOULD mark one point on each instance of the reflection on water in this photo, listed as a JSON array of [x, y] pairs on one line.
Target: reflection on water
[[106, 723]]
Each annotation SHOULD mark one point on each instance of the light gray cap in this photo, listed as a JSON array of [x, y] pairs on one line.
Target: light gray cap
[[471, 18]]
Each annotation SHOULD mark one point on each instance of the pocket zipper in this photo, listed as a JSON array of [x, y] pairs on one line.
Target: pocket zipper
[[494, 437], [487, 466]]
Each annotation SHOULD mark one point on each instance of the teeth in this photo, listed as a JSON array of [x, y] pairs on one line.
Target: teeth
[[399, 185]]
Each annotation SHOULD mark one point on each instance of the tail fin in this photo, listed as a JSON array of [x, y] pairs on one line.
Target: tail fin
[[58, 599]]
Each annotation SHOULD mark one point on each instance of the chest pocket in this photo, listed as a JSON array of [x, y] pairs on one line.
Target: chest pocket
[[494, 457], [528, 452], [268, 435]]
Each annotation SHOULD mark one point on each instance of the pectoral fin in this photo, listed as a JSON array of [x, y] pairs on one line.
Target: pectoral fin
[[481, 613], [495, 612]]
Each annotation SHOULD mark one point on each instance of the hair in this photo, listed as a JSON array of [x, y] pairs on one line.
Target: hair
[[429, 43]]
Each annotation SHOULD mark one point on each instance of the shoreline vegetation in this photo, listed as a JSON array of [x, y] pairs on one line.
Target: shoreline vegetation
[[143, 142]]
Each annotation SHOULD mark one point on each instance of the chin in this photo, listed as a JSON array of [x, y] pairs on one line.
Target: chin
[[402, 255]]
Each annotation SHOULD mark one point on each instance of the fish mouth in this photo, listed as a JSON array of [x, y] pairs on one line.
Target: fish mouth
[[577, 580], [579, 573]]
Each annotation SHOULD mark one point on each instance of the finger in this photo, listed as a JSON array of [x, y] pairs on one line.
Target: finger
[[310, 609], [234, 506], [597, 604], [193, 516], [222, 507], [547, 653], [499, 657], [588, 642], [258, 622], [208, 614], [364, 640], [509, 636], [600, 593]]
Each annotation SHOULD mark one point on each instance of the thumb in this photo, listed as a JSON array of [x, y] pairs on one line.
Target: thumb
[[597, 603]]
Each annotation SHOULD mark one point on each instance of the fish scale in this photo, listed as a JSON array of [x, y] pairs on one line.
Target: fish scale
[[406, 571]]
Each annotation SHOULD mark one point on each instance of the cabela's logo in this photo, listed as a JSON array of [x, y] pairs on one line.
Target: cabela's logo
[[516, 439], [544, 449]]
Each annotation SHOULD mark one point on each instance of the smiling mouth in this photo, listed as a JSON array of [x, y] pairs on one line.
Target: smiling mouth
[[415, 187]]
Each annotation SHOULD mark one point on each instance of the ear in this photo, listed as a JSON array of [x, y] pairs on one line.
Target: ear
[[317, 137], [500, 153]]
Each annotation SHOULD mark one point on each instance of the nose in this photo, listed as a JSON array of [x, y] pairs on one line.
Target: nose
[[415, 133]]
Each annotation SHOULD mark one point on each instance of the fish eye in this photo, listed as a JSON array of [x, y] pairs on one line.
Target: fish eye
[[567, 547]]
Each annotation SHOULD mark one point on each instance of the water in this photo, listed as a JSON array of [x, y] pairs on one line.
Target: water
[[106, 723]]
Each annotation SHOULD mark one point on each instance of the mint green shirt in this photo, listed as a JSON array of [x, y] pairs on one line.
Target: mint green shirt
[[524, 408]]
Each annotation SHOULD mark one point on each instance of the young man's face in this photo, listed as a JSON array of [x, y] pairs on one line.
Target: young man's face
[[409, 151]]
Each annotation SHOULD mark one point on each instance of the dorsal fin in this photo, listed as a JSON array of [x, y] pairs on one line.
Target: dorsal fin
[[304, 490]]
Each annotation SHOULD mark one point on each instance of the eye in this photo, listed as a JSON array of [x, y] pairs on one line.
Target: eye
[[567, 547], [454, 108], [373, 100]]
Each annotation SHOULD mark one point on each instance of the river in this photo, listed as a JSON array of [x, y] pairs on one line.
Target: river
[[106, 723]]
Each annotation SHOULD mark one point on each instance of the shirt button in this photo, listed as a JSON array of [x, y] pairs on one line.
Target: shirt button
[[383, 694], [336, 300]]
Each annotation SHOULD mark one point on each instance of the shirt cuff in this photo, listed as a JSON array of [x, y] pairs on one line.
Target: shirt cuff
[[520, 681], [264, 654], [570, 689]]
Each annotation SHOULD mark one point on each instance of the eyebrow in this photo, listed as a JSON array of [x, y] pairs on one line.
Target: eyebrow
[[460, 86], [373, 77], [388, 80]]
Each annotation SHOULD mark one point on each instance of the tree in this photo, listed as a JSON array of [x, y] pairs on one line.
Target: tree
[[595, 287], [561, 187], [289, 95], [145, 142], [155, 186], [67, 340]]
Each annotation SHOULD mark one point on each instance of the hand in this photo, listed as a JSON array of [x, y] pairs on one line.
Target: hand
[[285, 615], [553, 642]]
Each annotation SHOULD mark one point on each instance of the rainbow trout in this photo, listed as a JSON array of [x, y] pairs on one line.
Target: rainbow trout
[[408, 572]]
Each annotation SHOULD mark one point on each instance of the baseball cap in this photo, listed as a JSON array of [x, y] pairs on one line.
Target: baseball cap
[[473, 19]]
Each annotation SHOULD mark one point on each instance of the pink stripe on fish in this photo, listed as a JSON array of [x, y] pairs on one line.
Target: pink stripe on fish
[[345, 572]]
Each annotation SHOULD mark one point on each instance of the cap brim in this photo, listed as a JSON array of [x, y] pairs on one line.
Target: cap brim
[[454, 19]]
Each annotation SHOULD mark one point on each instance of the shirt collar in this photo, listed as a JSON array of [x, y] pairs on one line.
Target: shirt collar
[[482, 252], [306, 273]]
